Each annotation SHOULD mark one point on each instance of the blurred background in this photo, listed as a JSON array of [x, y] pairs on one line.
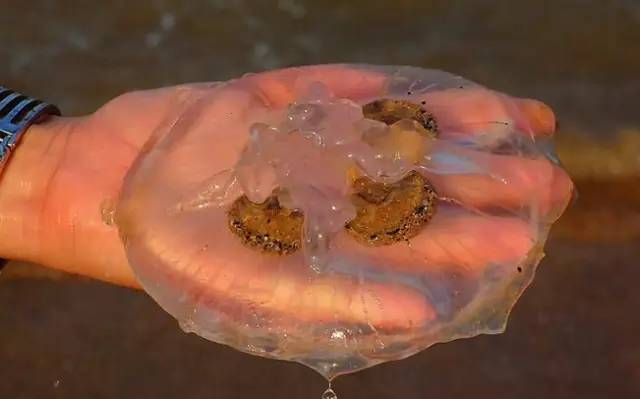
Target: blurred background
[[574, 334]]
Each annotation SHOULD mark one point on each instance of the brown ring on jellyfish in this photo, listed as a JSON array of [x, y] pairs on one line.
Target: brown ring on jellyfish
[[386, 212], [389, 213], [390, 111], [266, 226]]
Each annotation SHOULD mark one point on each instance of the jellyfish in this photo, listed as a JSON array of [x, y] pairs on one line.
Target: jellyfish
[[342, 221]]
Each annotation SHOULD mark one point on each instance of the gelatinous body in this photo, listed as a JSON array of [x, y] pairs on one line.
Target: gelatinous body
[[341, 216]]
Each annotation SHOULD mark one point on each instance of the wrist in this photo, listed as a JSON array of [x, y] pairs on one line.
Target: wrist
[[23, 186], [48, 214], [62, 173]]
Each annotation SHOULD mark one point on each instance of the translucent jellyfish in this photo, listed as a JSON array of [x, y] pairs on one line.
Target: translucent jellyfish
[[342, 220]]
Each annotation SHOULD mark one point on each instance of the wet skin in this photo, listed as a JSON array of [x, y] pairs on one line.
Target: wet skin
[[67, 171]]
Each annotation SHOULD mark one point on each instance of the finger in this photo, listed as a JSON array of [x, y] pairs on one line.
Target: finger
[[506, 182], [475, 111], [282, 87], [454, 240], [541, 117]]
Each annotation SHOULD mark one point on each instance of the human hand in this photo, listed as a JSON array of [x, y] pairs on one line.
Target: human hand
[[67, 174]]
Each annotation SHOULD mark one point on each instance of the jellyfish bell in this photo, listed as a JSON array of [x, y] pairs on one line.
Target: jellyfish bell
[[341, 219]]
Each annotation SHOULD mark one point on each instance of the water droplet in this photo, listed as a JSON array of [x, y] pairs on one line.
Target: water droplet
[[316, 249], [306, 116], [218, 190], [187, 325], [338, 335], [329, 394], [108, 212]]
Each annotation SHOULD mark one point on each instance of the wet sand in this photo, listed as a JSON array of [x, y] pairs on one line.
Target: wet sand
[[572, 335]]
